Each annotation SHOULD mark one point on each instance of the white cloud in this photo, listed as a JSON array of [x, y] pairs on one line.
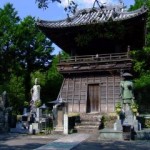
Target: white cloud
[[64, 3], [86, 3]]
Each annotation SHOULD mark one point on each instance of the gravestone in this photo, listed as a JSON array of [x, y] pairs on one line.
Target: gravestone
[[59, 111], [66, 121], [60, 118], [4, 113]]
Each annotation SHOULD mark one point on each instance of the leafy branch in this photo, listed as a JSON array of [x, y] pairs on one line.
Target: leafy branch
[[44, 3]]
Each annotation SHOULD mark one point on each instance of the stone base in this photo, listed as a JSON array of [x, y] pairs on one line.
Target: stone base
[[110, 134], [118, 125], [58, 130], [34, 128], [142, 135]]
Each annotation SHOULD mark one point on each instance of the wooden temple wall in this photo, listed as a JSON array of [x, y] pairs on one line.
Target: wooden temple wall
[[75, 91]]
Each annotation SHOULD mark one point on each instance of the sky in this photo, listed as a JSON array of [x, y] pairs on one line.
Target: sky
[[55, 10]]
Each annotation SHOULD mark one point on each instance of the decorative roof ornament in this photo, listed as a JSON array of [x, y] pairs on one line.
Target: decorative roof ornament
[[121, 2], [99, 4], [103, 6], [122, 5], [99, 13]]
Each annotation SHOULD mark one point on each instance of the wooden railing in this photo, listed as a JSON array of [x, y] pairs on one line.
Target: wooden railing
[[95, 58]]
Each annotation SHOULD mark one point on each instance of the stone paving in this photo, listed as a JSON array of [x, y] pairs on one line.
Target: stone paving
[[14, 141], [67, 142], [92, 143]]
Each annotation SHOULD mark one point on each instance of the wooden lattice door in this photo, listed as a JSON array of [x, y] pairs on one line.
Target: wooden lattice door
[[93, 98]]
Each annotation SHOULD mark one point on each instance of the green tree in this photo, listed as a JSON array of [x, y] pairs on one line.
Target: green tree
[[8, 25], [54, 80], [50, 81], [33, 50], [141, 57], [23, 49], [137, 4], [141, 61], [16, 93]]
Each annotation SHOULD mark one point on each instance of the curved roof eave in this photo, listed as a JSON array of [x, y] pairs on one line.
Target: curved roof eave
[[93, 16]]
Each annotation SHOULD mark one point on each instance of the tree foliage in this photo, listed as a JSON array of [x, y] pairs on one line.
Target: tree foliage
[[16, 93], [44, 3], [32, 47], [141, 57], [32, 50], [8, 26], [24, 49], [141, 61], [50, 81], [70, 9]]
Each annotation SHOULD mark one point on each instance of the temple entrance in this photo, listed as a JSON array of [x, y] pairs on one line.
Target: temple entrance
[[93, 98]]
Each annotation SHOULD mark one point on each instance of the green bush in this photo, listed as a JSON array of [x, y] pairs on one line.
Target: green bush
[[118, 107], [147, 122], [38, 103], [144, 120], [107, 121]]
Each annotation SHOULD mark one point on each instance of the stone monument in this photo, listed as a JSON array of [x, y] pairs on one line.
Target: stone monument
[[127, 99], [60, 117], [34, 108], [126, 92], [35, 98], [35, 91]]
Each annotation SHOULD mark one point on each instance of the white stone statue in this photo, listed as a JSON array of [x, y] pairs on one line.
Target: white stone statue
[[35, 91]]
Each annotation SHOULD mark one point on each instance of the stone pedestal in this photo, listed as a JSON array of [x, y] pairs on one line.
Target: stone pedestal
[[34, 128], [118, 125], [110, 134], [58, 115], [129, 120], [38, 114], [65, 123]]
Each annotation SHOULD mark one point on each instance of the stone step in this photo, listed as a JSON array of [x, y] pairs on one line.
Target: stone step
[[84, 130], [88, 123], [57, 132], [90, 117], [87, 127]]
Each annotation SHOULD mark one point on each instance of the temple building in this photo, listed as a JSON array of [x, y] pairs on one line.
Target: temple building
[[98, 41]]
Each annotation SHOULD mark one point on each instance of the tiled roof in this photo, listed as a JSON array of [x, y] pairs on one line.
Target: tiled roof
[[92, 16]]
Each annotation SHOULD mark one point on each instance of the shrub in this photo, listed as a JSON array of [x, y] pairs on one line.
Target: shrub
[[147, 122], [38, 103], [118, 107]]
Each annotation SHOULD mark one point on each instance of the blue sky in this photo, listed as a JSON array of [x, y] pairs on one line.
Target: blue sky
[[55, 10]]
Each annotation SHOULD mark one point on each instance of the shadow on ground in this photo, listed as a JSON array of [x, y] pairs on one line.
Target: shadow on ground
[[113, 145], [20, 147], [21, 142]]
